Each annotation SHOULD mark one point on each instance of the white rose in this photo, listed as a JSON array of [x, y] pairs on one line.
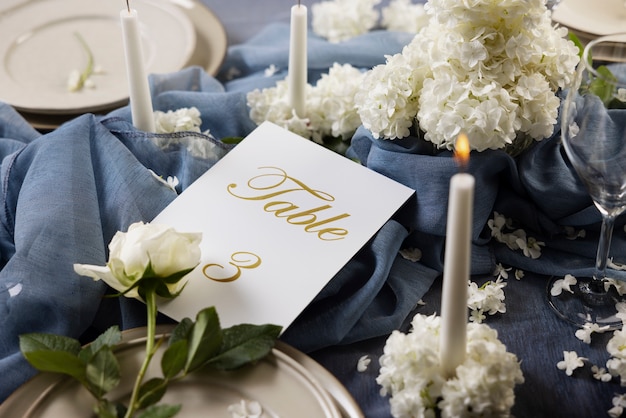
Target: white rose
[[146, 250]]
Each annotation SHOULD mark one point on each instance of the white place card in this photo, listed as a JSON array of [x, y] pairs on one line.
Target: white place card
[[280, 216]]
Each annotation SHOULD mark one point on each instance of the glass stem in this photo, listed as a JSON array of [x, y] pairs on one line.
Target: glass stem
[[604, 245]]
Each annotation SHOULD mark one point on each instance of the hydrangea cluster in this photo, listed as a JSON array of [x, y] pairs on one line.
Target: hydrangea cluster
[[330, 109], [489, 69], [179, 120], [411, 373], [404, 16], [486, 299], [339, 20]]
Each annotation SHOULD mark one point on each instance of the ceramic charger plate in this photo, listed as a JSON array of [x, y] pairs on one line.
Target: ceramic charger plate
[[286, 383], [39, 46]]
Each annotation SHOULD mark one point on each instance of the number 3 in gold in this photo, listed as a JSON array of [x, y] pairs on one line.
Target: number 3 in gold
[[239, 260]]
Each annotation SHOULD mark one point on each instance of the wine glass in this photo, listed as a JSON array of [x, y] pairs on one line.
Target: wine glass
[[593, 131]]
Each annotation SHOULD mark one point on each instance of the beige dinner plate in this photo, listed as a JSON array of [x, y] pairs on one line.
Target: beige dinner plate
[[40, 47], [599, 17], [209, 53], [286, 383]]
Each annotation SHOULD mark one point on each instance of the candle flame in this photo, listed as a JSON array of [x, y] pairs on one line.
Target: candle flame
[[462, 150]]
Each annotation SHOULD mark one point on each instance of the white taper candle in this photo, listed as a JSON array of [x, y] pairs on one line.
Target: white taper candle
[[456, 273], [298, 64], [139, 90]]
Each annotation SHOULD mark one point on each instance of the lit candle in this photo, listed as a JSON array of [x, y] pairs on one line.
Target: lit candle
[[140, 100], [298, 66], [456, 272]]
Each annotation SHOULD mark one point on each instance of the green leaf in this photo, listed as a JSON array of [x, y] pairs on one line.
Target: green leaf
[[48, 342], [232, 140], [160, 411], [205, 339], [181, 331], [109, 338], [103, 371], [151, 392], [572, 36], [57, 362], [174, 359], [244, 344], [106, 409]]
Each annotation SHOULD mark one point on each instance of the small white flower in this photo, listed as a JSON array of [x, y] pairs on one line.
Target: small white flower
[[619, 403], [600, 373], [620, 307], [171, 182], [519, 274], [565, 283], [245, 409], [363, 363], [570, 362], [619, 285], [74, 81], [501, 271], [271, 70], [616, 266], [616, 346], [411, 254], [584, 333], [617, 367], [477, 316], [531, 247]]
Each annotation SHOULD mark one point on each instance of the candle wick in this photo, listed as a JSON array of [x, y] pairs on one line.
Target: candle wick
[[128, 6]]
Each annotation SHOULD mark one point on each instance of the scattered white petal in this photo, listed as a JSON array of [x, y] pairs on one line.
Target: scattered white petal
[[411, 254], [501, 272], [171, 182], [363, 363], [245, 409], [519, 274], [565, 283], [584, 333], [600, 373], [571, 361], [271, 70]]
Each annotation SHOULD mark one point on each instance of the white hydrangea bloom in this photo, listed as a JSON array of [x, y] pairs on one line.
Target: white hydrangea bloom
[[411, 373], [179, 120], [495, 79], [330, 109], [404, 16], [339, 20]]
